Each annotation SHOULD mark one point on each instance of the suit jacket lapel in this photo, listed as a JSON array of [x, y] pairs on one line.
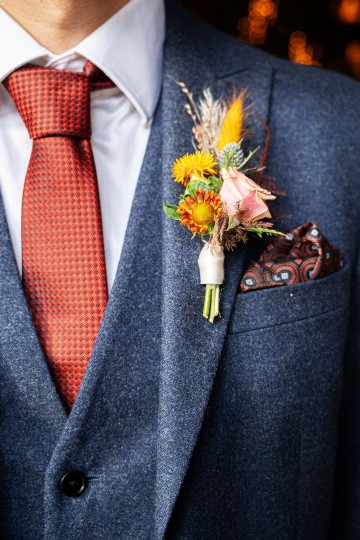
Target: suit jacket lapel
[[191, 346]]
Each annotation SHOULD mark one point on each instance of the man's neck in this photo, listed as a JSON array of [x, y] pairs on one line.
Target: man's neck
[[59, 25]]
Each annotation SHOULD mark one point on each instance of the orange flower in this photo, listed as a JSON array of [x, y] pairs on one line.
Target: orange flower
[[197, 214]]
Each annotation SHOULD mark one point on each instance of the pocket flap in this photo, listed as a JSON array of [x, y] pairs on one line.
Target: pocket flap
[[279, 305]]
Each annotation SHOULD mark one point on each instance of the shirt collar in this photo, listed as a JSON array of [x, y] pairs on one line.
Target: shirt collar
[[128, 47]]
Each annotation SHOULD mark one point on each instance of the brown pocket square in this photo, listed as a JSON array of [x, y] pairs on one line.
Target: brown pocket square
[[303, 254]]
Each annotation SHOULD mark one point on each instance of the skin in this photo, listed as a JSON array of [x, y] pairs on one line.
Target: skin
[[59, 25]]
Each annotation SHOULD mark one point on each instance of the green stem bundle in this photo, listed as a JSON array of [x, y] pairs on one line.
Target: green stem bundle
[[212, 302]]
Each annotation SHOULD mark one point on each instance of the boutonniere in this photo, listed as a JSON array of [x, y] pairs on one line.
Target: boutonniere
[[221, 202]]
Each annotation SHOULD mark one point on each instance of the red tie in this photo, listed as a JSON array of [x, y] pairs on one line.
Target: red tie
[[63, 263]]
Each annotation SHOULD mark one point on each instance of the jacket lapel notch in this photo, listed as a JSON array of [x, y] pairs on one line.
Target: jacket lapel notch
[[191, 346]]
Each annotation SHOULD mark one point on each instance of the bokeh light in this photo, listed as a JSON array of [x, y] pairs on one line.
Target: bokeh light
[[352, 55], [349, 11], [303, 53], [261, 15], [325, 32]]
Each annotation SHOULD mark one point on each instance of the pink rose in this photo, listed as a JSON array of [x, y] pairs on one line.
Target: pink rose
[[239, 191]]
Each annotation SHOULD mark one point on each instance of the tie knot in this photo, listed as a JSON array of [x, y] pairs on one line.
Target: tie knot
[[51, 102]]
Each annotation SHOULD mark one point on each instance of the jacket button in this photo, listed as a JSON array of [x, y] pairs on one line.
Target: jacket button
[[73, 483]]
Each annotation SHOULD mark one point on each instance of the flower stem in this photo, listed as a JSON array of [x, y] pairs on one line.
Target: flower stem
[[207, 301], [212, 302], [217, 301], [213, 306]]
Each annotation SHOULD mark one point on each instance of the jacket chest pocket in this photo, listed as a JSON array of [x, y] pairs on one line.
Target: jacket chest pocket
[[276, 306], [292, 331]]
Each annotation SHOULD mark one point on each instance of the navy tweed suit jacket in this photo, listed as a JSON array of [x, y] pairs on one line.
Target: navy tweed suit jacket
[[246, 429]]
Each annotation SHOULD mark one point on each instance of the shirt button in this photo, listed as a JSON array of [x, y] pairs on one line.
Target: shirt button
[[73, 483]]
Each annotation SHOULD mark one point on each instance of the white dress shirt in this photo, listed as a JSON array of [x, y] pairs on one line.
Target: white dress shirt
[[128, 48]]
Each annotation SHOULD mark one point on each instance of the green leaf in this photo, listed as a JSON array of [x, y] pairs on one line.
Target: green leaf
[[191, 189], [206, 187], [253, 170], [194, 185], [251, 154], [211, 227], [259, 231], [171, 211], [216, 183], [195, 178]]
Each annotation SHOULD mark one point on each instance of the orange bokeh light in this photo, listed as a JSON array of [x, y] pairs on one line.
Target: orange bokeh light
[[349, 11], [352, 55], [261, 15], [303, 53]]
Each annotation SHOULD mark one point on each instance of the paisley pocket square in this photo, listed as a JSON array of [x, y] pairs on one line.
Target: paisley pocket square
[[303, 254]]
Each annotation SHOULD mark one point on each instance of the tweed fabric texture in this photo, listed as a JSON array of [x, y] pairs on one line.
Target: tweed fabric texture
[[248, 439], [303, 254], [64, 273]]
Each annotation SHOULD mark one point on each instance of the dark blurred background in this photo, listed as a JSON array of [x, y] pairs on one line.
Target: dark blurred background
[[324, 33]]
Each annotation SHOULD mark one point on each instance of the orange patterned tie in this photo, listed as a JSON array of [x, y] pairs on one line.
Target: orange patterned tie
[[63, 263]]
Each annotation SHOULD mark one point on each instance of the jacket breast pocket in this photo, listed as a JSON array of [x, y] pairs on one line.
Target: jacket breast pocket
[[291, 339], [276, 306], [291, 334]]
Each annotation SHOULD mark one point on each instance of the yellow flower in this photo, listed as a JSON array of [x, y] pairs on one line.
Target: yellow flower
[[200, 164], [233, 123], [197, 214]]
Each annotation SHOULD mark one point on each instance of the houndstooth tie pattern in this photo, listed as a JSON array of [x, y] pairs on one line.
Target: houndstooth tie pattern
[[63, 263]]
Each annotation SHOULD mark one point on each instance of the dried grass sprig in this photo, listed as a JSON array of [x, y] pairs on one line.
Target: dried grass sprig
[[193, 109], [221, 224], [207, 116], [212, 112]]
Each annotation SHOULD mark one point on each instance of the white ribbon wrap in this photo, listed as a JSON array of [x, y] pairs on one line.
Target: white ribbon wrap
[[211, 264]]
